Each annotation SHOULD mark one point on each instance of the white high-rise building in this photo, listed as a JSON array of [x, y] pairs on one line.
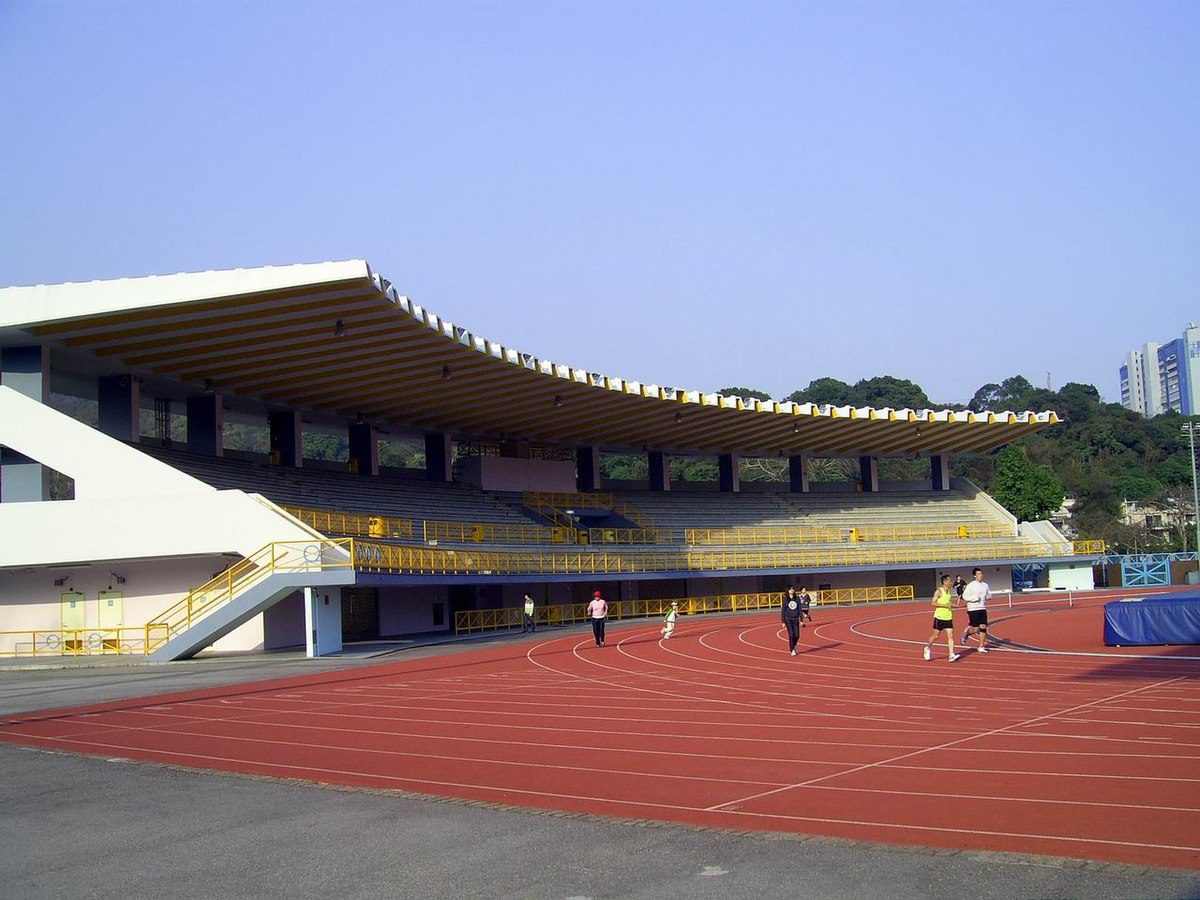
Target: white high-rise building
[[1164, 377]]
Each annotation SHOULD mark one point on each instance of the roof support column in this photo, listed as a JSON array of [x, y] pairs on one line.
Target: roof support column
[[660, 471], [120, 406], [364, 449], [27, 371], [728, 474], [868, 466], [939, 472], [587, 468], [206, 425], [439, 457], [287, 434], [798, 472]]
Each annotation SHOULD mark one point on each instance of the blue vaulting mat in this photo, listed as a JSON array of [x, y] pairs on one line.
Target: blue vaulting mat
[[1153, 620]]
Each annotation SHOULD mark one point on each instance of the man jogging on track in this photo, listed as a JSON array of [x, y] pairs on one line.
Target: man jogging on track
[[943, 620], [977, 594]]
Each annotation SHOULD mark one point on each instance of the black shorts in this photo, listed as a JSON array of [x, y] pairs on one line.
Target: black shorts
[[977, 617], [942, 624]]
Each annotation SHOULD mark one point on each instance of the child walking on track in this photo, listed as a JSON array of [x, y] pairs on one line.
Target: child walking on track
[[943, 618], [669, 627], [805, 603]]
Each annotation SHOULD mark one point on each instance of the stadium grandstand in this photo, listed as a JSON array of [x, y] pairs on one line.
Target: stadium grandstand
[[131, 526]]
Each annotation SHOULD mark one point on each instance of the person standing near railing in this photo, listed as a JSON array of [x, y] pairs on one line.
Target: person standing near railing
[[528, 623], [805, 604], [790, 616], [598, 610]]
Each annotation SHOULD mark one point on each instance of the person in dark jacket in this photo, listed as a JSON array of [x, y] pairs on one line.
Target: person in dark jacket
[[791, 618]]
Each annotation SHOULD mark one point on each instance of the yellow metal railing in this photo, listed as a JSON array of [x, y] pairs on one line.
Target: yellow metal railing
[[496, 533], [450, 532], [646, 536], [554, 505], [357, 524], [825, 535], [371, 556], [72, 642], [438, 531], [511, 617], [278, 556], [436, 560]]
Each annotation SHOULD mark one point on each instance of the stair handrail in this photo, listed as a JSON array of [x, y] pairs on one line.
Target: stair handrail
[[242, 575]]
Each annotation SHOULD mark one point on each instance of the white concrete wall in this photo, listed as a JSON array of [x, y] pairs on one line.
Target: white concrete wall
[[502, 473], [30, 600], [72, 531], [409, 610], [323, 625], [101, 466]]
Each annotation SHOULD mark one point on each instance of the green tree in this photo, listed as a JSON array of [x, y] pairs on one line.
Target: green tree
[[1027, 491], [1014, 394], [1078, 402], [823, 390], [624, 466], [886, 391], [744, 392]]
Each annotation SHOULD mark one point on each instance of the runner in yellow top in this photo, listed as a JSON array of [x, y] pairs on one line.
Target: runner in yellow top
[[943, 618]]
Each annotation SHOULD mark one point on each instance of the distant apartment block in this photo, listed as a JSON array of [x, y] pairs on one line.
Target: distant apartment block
[[1161, 378]]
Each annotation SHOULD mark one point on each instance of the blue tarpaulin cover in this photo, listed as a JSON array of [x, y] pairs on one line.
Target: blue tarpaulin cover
[[1154, 620]]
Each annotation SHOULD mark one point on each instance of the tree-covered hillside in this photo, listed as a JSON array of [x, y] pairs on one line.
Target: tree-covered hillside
[[1100, 454]]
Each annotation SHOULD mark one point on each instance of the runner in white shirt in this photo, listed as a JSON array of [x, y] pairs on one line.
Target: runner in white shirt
[[976, 595]]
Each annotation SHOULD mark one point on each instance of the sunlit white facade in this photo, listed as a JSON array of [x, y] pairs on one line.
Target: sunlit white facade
[[1162, 378]]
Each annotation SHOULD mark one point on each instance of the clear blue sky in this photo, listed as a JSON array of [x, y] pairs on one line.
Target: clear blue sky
[[694, 194]]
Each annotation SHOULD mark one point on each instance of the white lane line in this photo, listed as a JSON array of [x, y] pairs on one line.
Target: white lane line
[[584, 768], [1010, 798], [502, 793], [1033, 773], [942, 746]]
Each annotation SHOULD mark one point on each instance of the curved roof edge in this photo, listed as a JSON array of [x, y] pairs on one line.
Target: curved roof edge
[[254, 333], [589, 378]]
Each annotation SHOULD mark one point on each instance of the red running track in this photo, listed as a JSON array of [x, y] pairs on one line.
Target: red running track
[[1086, 756]]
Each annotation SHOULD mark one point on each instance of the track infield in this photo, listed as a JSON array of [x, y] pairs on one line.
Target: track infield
[[1051, 744]]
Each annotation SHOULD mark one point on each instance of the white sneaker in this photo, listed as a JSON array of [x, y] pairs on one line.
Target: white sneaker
[[953, 657], [793, 653], [925, 652], [983, 649]]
